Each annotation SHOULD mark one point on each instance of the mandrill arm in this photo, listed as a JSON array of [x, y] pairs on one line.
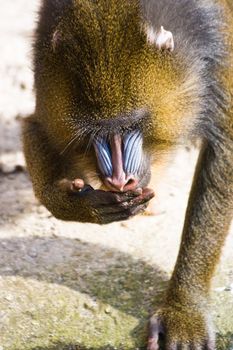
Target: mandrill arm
[[184, 315], [70, 199]]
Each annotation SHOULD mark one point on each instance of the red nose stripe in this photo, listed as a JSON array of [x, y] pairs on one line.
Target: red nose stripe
[[119, 180], [117, 161]]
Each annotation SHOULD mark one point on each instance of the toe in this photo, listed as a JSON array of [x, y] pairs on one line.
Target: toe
[[155, 328], [210, 344], [172, 346]]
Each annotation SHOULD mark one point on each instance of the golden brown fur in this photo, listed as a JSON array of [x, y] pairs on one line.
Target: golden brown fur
[[95, 72]]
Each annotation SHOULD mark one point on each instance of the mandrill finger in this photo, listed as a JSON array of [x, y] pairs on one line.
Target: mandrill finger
[[146, 196], [118, 215], [129, 208], [117, 198], [152, 344], [119, 211], [210, 344], [171, 346], [112, 217], [194, 346], [138, 209]]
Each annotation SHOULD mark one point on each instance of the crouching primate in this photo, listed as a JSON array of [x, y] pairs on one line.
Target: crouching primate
[[118, 83]]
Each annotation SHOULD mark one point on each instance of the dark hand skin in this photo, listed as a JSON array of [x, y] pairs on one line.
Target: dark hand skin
[[106, 206]]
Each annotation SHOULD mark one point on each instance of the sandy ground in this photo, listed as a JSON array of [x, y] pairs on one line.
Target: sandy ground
[[81, 286]]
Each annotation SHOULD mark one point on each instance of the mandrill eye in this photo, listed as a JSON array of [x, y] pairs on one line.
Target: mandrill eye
[[132, 152], [103, 154]]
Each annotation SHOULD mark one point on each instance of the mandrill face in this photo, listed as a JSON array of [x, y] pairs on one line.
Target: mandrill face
[[122, 162]]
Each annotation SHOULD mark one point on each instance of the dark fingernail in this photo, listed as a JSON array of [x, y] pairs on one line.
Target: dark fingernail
[[87, 188]]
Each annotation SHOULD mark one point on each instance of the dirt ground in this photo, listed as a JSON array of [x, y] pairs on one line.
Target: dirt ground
[[82, 286]]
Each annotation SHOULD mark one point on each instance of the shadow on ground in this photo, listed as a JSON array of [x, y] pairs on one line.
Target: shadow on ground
[[108, 276]]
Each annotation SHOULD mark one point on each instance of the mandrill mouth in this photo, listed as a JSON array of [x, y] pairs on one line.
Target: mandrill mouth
[[119, 160]]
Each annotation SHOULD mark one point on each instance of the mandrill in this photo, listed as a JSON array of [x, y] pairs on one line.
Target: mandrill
[[119, 83]]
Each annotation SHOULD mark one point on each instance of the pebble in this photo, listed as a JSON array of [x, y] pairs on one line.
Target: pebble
[[7, 168], [229, 288], [92, 306], [108, 311], [220, 289], [8, 298], [2, 316], [33, 253], [23, 86]]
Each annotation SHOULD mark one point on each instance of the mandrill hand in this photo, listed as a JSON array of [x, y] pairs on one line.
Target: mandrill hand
[[183, 328], [104, 207]]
